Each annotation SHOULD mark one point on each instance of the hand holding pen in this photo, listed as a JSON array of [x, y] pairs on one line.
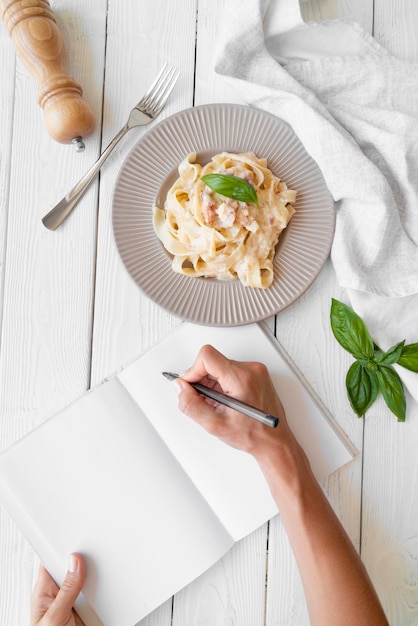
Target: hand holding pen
[[238, 405], [249, 384], [320, 544]]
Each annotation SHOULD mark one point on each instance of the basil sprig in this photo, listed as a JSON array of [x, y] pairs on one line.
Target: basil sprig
[[231, 187], [372, 371]]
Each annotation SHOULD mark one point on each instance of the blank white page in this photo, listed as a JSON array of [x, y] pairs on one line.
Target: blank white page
[[97, 479], [230, 480]]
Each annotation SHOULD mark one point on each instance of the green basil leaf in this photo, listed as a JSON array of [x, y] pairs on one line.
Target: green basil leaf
[[391, 356], [362, 388], [409, 357], [350, 331], [231, 187], [392, 390]]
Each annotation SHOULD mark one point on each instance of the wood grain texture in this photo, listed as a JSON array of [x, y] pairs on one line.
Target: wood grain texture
[[233, 591], [7, 71], [71, 314], [396, 27], [387, 536], [129, 321], [230, 592], [390, 495], [125, 321], [39, 43], [134, 323], [46, 325], [14, 551], [390, 511], [209, 86], [308, 340]]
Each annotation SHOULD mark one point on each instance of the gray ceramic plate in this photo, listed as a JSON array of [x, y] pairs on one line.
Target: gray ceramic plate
[[151, 168]]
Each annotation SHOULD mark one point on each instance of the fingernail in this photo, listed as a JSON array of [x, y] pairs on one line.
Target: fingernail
[[178, 385], [72, 563]]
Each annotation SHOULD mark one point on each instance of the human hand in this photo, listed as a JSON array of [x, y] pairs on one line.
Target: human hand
[[52, 605], [246, 381]]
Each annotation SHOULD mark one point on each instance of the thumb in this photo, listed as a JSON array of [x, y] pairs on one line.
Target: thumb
[[189, 399], [194, 405], [60, 610]]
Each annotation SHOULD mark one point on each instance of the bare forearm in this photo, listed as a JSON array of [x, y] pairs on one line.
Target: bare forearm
[[337, 587]]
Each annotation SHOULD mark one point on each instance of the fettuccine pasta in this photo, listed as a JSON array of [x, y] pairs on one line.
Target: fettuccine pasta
[[211, 235]]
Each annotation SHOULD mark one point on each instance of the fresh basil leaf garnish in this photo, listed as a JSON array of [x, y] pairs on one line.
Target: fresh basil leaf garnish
[[362, 388], [392, 391], [391, 356], [373, 371], [350, 331], [231, 187], [409, 357]]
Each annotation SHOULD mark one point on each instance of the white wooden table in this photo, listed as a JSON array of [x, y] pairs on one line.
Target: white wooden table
[[70, 314]]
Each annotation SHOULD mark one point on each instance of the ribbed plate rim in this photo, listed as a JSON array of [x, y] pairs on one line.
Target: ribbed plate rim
[[151, 165]]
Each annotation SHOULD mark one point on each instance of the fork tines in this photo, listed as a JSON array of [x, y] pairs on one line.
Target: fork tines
[[156, 96]]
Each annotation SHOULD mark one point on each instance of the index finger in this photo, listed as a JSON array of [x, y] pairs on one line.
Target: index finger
[[212, 364], [44, 593]]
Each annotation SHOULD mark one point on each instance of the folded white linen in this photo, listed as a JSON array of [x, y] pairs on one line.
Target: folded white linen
[[354, 106]]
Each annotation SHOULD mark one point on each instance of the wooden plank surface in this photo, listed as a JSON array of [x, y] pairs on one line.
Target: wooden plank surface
[[390, 497], [49, 277], [71, 315]]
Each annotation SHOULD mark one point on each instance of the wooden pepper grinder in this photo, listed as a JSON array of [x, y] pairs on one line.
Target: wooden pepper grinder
[[38, 41]]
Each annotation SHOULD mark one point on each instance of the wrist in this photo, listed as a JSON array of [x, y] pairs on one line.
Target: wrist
[[286, 468]]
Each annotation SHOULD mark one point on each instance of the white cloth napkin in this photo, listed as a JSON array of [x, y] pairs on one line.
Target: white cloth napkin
[[355, 108]]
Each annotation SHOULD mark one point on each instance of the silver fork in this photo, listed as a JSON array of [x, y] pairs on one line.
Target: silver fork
[[143, 113]]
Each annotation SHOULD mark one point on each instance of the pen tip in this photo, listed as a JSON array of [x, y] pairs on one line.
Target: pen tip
[[170, 375]]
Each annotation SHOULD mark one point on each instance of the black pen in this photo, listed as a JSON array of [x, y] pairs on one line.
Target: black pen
[[232, 403]]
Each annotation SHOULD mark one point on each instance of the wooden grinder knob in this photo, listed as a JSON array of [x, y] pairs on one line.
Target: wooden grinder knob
[[38, 41]]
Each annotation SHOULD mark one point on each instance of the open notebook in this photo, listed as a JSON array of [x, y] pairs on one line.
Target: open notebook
[[146, 495]]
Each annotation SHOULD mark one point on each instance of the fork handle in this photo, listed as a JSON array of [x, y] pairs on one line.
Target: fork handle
[[61, 211]]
